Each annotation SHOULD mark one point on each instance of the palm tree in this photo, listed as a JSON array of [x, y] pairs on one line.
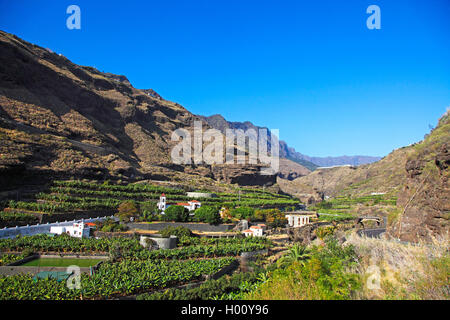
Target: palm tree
[[297, 253]]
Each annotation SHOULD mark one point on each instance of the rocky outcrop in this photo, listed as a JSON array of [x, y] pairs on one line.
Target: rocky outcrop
[[249, 175], [291, 170], [424, 201]]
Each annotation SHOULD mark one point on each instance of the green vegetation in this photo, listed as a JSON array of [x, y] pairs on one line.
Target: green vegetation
[[242, 212], [179, 232], [73, 196], [176, 213], [109, 225], [61, 262], [13, 218], [207, 214], [112, 279], [209, 290], [323, 274]]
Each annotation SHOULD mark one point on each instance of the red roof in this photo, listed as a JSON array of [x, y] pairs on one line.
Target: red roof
[[248, 230], [90, 224], [255, 227], [195, 201], [183, 204], [163, 195]]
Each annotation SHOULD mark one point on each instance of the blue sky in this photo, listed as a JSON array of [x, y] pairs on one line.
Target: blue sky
[[311, 69]]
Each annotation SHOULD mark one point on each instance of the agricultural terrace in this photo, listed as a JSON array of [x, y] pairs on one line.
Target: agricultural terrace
[[82, 197], [343, 208], [131, 269]]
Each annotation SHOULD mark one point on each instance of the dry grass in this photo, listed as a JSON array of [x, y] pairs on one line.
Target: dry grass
[[403, 271]]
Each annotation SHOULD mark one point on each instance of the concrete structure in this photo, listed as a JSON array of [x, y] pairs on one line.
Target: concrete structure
[[162, 243], [77, 230], [297, 220]]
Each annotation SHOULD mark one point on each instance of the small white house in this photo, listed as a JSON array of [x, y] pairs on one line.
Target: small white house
[[255, 231], [297, 220], [77, 230]]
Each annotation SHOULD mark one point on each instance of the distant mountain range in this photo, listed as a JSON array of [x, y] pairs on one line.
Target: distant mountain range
[[218, 122]]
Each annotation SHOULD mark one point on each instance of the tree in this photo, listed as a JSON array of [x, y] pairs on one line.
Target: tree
[[298, 253], [176, 213], [207, 214], [148, 210], [127, 210]]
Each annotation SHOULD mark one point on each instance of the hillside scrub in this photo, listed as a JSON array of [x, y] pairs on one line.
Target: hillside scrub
[[393, 270], [327, 274]]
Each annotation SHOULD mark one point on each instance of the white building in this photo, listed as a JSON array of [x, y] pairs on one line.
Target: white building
[[78, 230], [162, 204], [255, 231], [297, 220], [190, 205]]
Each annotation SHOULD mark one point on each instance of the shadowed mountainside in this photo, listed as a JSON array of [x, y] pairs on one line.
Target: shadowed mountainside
[[59, 118]]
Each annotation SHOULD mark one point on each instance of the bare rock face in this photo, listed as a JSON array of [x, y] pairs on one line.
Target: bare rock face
[[291, 170], [425, 199], [304, 234], [248, 175]]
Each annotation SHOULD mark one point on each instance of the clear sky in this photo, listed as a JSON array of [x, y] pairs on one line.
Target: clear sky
[[311, 69]]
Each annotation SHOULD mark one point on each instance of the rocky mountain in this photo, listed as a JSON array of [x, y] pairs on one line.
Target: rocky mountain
[[290, 168], [61, 119], [218, 122]]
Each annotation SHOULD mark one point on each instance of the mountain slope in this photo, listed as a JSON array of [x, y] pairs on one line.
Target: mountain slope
[[59, 118]]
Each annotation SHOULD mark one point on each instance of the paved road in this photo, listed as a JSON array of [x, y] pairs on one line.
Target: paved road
[[372, 233]]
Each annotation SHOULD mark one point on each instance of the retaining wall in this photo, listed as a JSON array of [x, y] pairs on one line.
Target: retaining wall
[[204, 227]]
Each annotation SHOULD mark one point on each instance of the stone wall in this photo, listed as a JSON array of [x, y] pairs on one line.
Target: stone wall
[[204, 227]]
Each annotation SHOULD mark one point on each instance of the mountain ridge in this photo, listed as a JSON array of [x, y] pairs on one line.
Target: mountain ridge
[[218, 122]]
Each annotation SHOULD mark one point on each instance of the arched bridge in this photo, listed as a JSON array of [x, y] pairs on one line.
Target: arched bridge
[[378, 220]]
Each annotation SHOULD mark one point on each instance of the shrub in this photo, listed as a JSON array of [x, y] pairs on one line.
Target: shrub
[[323, 232], [325, 276], [243, 212], [176, 231], [207, 214]]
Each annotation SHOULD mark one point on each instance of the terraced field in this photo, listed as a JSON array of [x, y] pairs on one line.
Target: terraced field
[[131, 270], [80, 196]]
